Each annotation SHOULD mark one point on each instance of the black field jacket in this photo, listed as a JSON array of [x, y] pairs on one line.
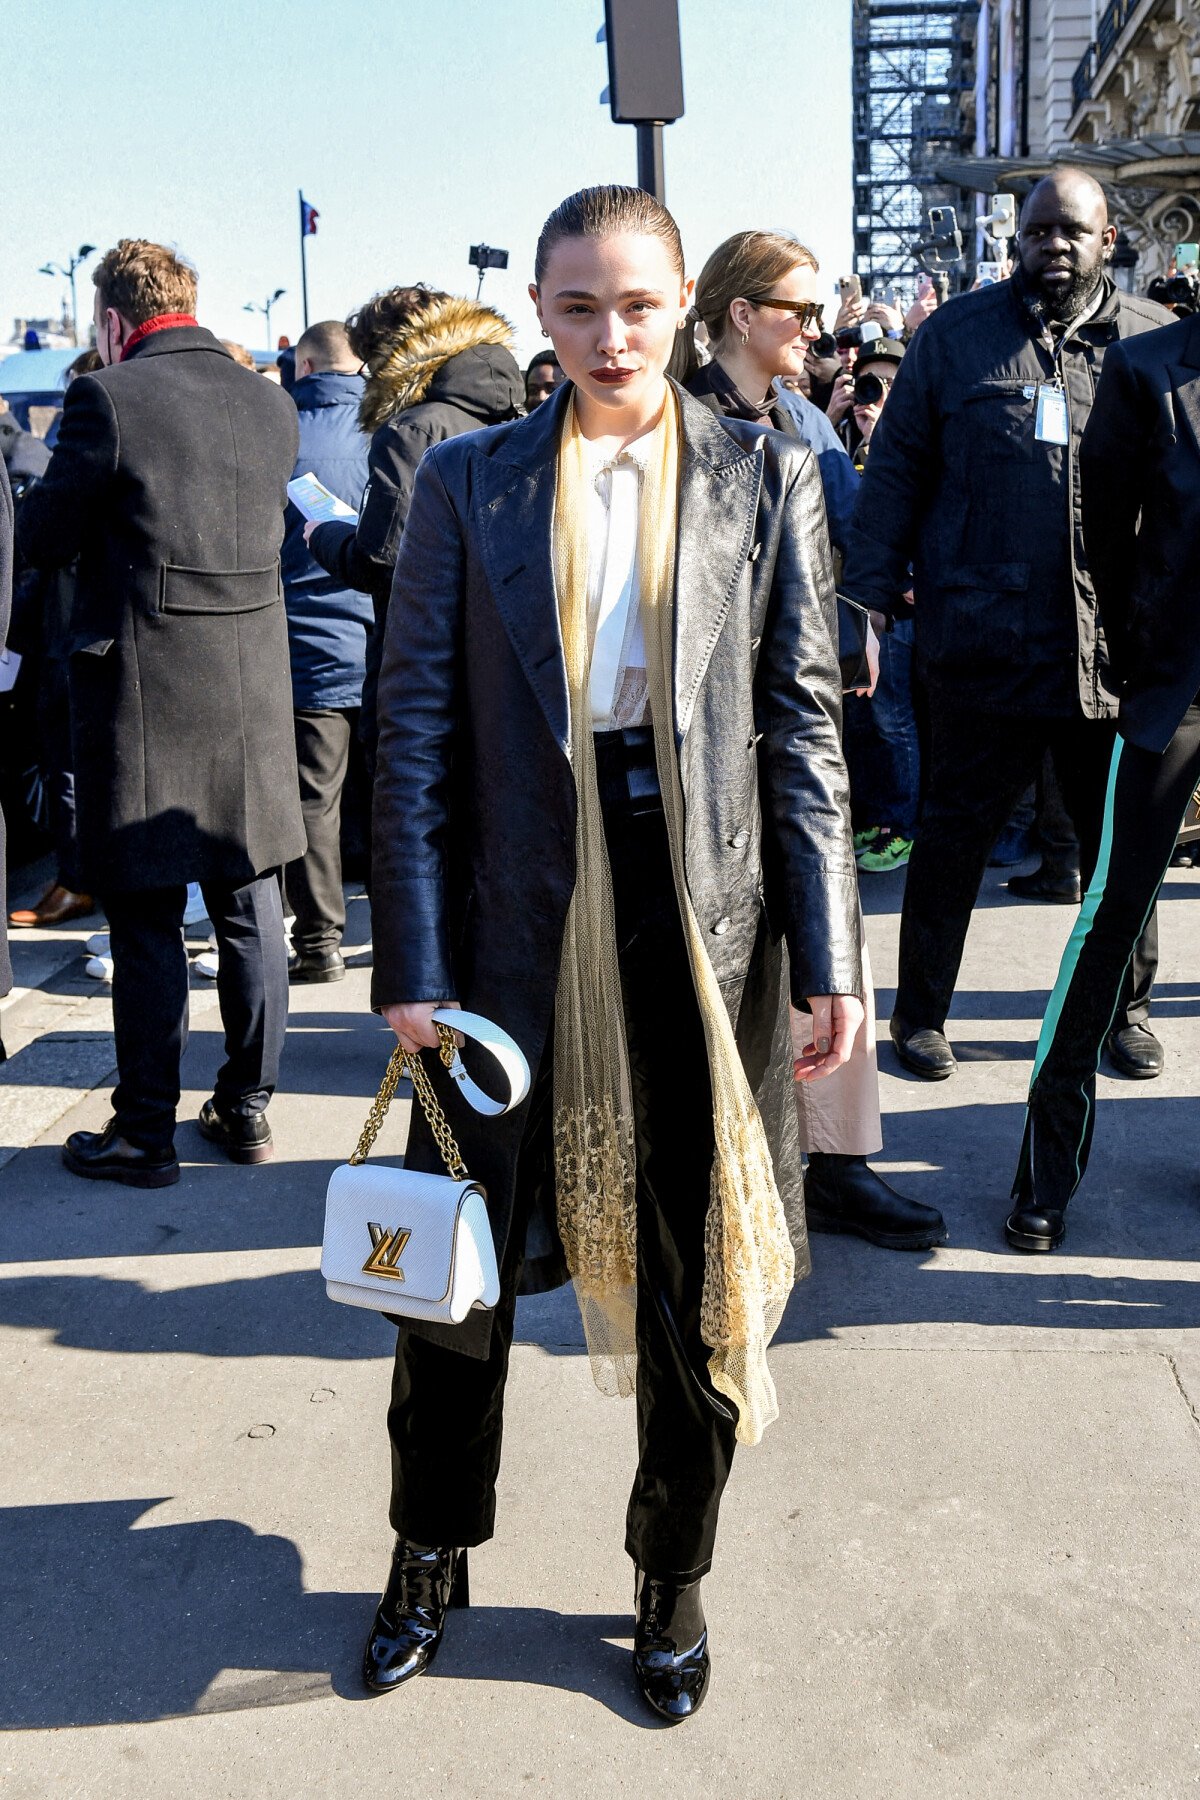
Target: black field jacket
[[958, 486]]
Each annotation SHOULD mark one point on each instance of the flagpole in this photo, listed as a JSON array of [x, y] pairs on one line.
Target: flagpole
[[303, 261]]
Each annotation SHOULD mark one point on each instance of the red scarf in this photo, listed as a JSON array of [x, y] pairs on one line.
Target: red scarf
[[163, 322]]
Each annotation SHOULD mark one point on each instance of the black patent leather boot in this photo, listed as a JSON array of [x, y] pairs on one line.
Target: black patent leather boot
[[424, 1584], [670, 1647]]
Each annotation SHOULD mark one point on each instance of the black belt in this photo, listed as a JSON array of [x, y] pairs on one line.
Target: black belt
[[626, 771]]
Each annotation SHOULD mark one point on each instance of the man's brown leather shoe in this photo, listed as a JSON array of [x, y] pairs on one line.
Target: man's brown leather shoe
[[57, 906]]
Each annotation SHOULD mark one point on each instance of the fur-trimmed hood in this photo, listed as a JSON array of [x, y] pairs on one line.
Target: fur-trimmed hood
[[452, 350]]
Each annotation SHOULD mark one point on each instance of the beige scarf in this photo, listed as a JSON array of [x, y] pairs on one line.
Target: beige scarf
[[749, 1262]]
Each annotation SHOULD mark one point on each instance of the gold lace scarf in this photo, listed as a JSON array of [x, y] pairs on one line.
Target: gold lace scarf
[[749, 1262]]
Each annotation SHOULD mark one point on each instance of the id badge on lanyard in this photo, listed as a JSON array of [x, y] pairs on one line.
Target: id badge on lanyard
[[1052, 426]]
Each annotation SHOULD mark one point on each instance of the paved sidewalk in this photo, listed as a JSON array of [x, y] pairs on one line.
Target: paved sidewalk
[[963, 1563]]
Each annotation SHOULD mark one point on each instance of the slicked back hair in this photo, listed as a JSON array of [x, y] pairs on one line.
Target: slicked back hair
[[599, 212]]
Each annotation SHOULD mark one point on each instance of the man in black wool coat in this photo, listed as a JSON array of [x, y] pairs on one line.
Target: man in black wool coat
[[168, 483]]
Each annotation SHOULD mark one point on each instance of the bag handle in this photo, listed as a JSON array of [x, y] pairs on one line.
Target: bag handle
[[449, 1021], [400, 1063]]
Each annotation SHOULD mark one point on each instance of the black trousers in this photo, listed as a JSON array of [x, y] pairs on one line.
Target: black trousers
[[314, 880], [978, 766], [1146, 799], [446, 1409], [150, 1000]]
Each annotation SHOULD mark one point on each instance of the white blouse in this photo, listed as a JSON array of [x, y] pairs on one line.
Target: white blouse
[[617, 687]]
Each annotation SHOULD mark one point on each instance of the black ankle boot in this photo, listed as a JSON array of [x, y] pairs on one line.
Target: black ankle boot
[[424, 1584], [841, 1193], [670, 1647], [1032, 1226]]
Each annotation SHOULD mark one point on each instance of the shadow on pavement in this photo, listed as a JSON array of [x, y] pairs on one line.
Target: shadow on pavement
[[109, 1624], [112, 1622], [269, 1315]]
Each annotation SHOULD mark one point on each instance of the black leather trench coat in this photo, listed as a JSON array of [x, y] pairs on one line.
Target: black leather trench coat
[[474, 807]]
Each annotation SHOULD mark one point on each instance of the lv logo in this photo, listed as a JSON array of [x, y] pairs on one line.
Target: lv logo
[[387, 1247]]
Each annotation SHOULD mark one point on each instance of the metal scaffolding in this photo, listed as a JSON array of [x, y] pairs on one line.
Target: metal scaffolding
[[913, 84]]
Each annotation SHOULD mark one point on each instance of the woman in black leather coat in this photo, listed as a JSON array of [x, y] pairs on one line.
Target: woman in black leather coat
[[728, 843]]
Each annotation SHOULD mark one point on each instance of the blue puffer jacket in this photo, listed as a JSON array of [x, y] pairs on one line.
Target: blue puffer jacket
[[327, 622]]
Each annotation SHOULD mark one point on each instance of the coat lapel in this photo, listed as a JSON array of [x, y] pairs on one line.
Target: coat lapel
[[719, 486], [516, 514], [718, 502], [1185, 379]]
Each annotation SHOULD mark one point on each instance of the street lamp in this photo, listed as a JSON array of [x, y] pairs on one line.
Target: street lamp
[[73, 263], [265, 309]]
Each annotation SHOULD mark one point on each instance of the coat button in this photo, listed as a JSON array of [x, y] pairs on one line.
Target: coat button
[[739, 840], [721, 927]]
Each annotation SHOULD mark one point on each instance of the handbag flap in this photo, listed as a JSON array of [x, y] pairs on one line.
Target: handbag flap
[[393, 1230]]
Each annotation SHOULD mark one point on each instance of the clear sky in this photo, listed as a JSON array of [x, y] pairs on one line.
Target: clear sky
[[415, 127]]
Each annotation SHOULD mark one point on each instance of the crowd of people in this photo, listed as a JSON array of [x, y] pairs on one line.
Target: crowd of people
[[622, 672]]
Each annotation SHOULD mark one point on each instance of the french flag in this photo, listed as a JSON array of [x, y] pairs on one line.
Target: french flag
[[308, 218]]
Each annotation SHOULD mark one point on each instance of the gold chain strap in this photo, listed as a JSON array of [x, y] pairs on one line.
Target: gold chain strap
[[401, 1062]]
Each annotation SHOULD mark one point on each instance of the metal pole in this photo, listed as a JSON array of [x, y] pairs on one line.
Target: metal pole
[[267, 312], [74, 308], [303, 263], [651, 172]]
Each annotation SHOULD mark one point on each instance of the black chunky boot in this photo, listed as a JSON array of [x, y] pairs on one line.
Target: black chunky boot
[[843, 1194], [670, 1647], [424, 1584]]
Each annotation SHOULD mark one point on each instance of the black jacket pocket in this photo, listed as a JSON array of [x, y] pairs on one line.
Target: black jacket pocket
[[215, 591]]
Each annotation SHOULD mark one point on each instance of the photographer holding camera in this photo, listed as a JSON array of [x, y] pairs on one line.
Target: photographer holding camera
[[874, 373], [974, 481]]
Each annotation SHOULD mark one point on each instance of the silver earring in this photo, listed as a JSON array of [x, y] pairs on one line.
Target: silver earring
[[545, 333], [745, 337]]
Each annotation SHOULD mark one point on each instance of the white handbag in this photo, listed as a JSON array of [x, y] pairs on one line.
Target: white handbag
[[418, 1245]]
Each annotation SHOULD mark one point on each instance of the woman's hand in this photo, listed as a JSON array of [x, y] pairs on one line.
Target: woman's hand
[[872, 660], [310, 525], [413, 1023], [837, 1020]]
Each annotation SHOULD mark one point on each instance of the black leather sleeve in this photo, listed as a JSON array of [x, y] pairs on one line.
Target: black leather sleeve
[[419, 702], [807, 844], [1114, 460], [63, 511]]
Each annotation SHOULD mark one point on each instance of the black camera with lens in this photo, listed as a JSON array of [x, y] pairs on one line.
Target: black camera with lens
[[1180, 292], [855, 336], [868, 390], [823, 348]]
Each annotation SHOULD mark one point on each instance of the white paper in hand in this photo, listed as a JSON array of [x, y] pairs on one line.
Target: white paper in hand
[[313, 500]]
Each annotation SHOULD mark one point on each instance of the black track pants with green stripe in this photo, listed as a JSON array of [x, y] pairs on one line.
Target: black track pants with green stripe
[[1147, 797]]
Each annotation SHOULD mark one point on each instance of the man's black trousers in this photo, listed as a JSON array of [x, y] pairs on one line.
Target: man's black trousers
[[314, 880], [978, 766], [150, 1000], [446, 1411], [1145, 803]]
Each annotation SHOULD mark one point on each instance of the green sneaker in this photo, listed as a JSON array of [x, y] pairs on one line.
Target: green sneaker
[[890, 851], [863, 838]]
